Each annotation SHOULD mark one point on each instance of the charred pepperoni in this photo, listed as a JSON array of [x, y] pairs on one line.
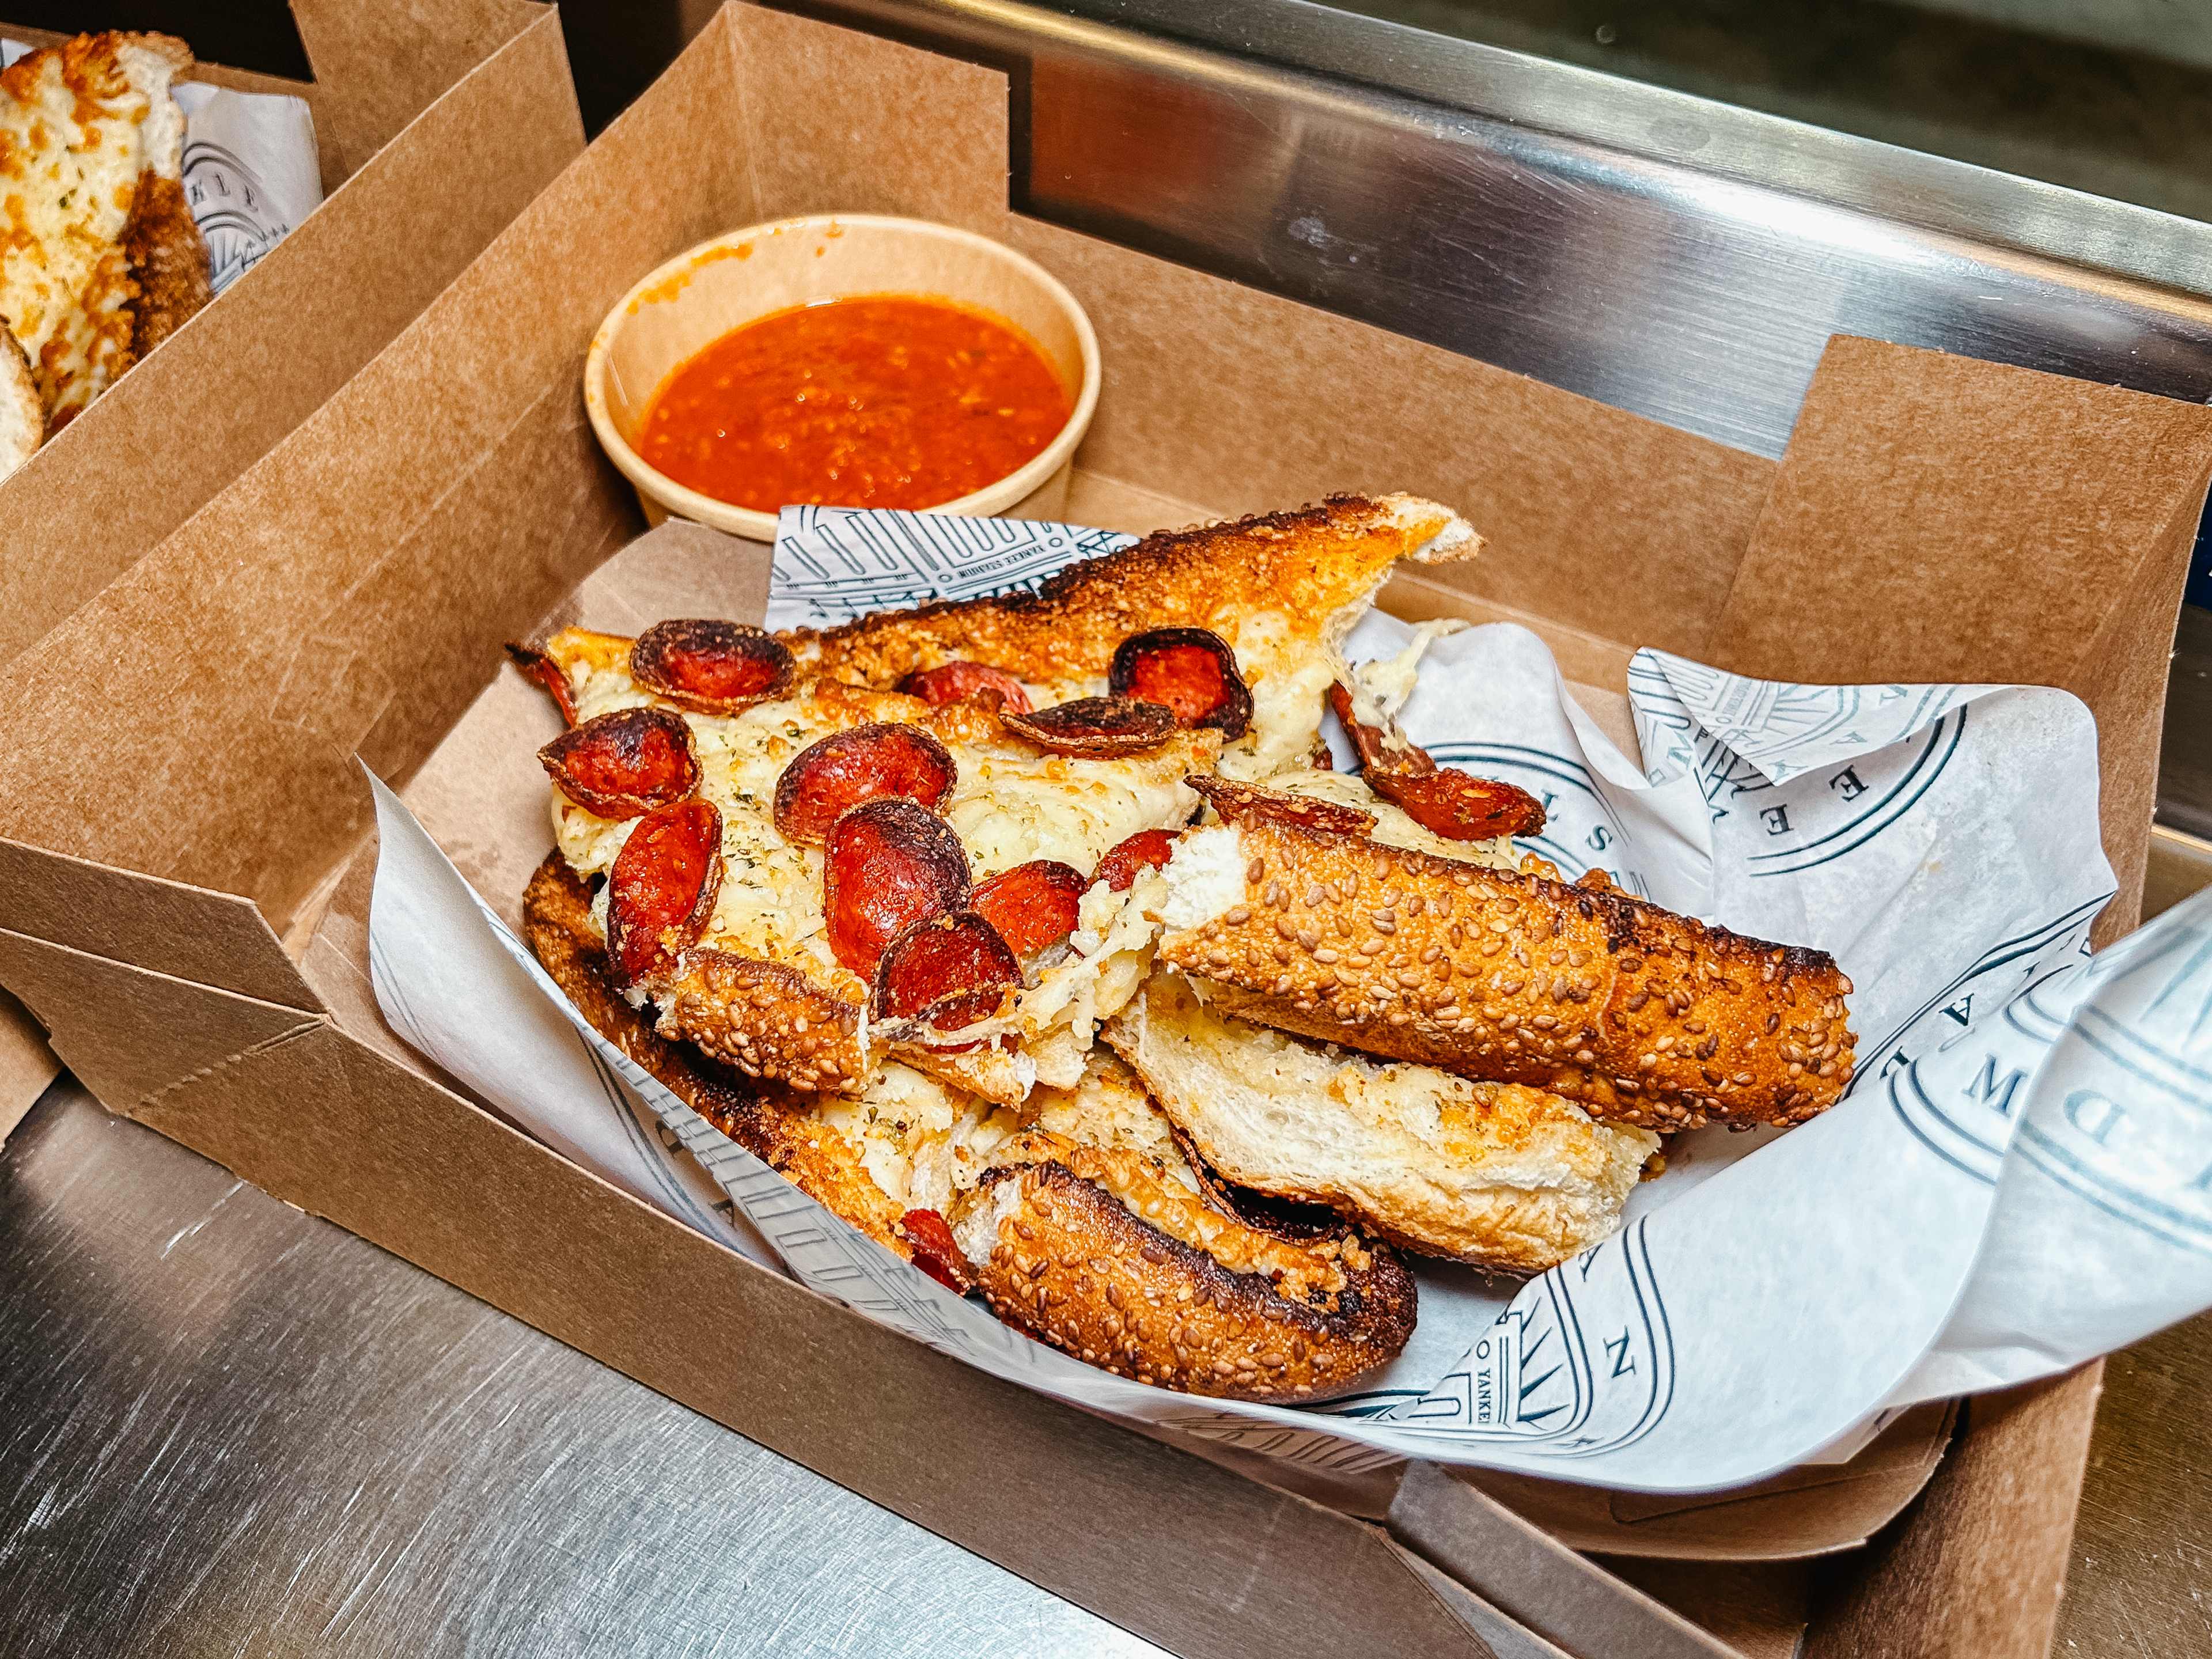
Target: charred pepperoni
[[1458, 806], [710, 666], [1372, 742], [623, 764], [1148, 849], [1095, 727], [930, 1236], [829, 779], [1234, 801], [662, 888], [960, 681], [1190, 670], [1442, 799], [1032, 905], [536, 666], [890, 863], [949, 971]]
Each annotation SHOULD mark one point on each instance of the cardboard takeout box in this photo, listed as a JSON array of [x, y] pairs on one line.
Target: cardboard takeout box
[[436, 122], [179, 799]]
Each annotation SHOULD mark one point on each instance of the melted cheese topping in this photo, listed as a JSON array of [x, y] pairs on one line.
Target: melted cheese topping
[[79, 124], [922, 1140], [1009, 804]]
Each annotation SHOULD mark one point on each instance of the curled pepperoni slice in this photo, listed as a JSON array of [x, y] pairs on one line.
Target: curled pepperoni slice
[[1095, 726], [662, 888], [1373, 742], [958, 682], [890, 865], [1190, 671], [709, 666], [948, 972], [930, 1236], [1458, 806], [1236, 801], [1442, 799], [1032, 905], [536, 666], [1148, 849], [623, 764], [829, 779]]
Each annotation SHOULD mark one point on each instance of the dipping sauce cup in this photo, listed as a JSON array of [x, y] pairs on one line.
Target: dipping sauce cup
[[735, 279]]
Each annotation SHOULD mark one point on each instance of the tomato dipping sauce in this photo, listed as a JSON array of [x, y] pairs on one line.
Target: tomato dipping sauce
[[884, 400]]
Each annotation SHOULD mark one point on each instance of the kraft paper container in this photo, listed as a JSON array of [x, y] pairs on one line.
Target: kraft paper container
[[180, 800], [402, 91], [740, 277]]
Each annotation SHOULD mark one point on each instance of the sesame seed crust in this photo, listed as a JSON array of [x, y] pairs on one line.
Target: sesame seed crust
[[1314, 563], [766, 1018], [1095, 1258], [1255, 1317], [775, 1124], [1641, 1016]]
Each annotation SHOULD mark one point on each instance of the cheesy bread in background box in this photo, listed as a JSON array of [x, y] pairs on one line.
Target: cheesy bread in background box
[[347, 599], [403, 91]]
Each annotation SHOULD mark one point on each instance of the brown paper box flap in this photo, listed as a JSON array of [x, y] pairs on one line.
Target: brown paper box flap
[[1814, 1510], [251, 367], [2040, 492], [184, 933], [380, 66], [1533, 1578], [26, 1064], [130, 1035], [2064, 513]]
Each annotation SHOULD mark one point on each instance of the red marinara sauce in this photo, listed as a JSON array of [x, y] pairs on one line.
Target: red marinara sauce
[[884, 400]]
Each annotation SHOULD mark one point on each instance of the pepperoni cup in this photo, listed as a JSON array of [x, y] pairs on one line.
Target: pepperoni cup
[[661, 890], [947, 972], [829, 779], [1190, 671], [623, 764], [1095, 727], [890, 863], [708, 665]]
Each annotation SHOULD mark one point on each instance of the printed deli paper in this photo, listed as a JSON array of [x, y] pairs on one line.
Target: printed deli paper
[[2020, 1179], [249, 169]]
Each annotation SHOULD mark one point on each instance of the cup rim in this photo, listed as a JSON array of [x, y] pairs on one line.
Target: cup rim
[[994, 497]]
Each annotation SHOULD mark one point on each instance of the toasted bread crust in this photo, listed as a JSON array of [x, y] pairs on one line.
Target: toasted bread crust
[[1639, 1015], [1217, 1331], [22, 415], [127, 264], [169, 260], [772, 1122], [1073, 1264], [1314, 563], [767, 1019]]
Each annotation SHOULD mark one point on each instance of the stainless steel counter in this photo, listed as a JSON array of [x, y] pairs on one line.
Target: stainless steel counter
[[228, 1428]]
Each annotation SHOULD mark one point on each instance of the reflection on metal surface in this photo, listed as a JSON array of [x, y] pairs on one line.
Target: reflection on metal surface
[[232, 1428], [1662, 254]]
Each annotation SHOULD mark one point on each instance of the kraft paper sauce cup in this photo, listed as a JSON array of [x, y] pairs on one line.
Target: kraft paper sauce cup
[[720, 285]]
